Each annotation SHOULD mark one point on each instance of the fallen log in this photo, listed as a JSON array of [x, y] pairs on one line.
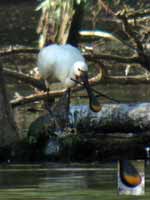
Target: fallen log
[[88, 139], [133, 117]]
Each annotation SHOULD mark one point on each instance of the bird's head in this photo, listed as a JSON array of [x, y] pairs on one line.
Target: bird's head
[[81, 72], [80, 68]]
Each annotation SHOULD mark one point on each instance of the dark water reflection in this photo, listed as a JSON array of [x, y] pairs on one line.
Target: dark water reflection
[[68, 182]]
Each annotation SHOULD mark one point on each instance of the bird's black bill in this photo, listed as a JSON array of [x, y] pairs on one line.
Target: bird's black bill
[[94, 104]]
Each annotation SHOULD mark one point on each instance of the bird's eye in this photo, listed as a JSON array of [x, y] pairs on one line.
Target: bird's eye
[[80, 70]]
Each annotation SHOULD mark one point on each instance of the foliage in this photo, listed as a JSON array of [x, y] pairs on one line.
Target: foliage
[[55, 20]]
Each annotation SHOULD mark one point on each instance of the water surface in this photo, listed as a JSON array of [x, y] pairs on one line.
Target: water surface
[[62, 182]]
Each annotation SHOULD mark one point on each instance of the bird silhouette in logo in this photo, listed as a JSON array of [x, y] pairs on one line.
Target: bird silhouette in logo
[[129, 175]]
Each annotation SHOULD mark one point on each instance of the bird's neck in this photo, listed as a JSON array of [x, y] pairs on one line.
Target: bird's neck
[[69, 83]]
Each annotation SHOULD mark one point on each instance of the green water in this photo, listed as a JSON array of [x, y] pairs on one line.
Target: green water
[[62, 182]]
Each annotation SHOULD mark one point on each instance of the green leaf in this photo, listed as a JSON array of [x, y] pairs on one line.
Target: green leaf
[[78, 1], [43, 5]]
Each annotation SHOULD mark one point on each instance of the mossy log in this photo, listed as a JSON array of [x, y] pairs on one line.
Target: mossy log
[[134, 117], [90, 142]]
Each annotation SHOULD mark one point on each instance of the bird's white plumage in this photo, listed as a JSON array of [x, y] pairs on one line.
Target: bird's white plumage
[[61, 63]]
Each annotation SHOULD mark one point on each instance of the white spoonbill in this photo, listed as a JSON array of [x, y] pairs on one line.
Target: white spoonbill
[[65, 63]]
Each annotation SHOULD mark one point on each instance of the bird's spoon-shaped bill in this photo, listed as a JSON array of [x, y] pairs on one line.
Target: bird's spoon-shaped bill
[[94, 104]]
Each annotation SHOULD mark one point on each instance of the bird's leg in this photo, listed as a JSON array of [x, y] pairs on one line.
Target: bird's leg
[[46, 84], [61, 113], [49, 100], [68, 105], [48, 105], [64, 106], [70, 128], [60, 110]]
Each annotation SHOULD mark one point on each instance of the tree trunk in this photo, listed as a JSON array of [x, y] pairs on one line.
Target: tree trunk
[[8, 131], [113, 118]]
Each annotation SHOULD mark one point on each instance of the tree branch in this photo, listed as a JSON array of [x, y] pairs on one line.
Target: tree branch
[[27, 50], [143, 58], [24, 78], [106, 7], [139, 79], [138, 13], [43, 95], [134, 80], [17, 50], [121, 59]]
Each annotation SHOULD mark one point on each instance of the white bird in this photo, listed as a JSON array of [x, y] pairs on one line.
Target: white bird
[[65, 63]]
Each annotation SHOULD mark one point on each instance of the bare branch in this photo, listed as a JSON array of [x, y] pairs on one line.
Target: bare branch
[[134, 80], [143, 58], [24, 78], [106, 7], [17, 50], [121, 59], [138, 13], [43, 95], [138, 79]]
